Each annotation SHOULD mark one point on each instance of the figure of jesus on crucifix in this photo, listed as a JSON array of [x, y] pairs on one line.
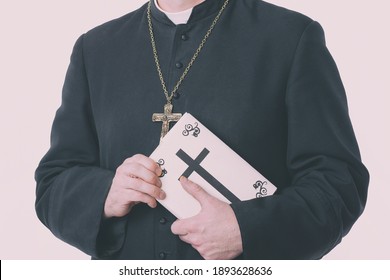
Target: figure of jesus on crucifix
[[166, 118]]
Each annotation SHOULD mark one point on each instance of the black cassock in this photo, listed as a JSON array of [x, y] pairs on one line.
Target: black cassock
[[264, 83]]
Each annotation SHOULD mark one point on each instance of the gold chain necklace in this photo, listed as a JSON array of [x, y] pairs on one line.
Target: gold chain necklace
[[168, 116]]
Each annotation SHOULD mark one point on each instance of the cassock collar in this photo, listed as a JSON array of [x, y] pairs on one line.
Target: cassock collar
[[201, 11]]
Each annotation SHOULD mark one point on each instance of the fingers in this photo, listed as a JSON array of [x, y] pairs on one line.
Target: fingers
[[134, 169], [141, 197], [147, 162], [195, 190], [142, 175], [146, 188], [136, 180], [120, 204]]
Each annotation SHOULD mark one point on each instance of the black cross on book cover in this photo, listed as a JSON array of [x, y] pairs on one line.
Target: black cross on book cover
[[191, 150]]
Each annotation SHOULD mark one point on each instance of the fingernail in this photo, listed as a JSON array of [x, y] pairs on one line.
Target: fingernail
[[159, 183], [159, 171], [183, 179], [162, 195]]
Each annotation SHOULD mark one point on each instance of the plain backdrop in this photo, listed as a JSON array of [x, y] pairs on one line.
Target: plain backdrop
[[36, 42]]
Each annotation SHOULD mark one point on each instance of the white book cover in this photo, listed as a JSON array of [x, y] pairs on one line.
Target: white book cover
[[191, 150]]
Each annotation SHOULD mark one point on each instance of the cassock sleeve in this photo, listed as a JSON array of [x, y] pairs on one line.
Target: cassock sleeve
[[329, 183], [71, 187]]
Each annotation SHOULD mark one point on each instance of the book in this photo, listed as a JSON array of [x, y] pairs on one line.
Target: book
[[191, 150]]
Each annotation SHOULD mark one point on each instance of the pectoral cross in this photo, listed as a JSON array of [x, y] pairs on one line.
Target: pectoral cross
[[166, 118]]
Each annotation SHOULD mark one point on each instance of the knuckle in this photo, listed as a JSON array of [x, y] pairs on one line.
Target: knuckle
[[197, 188], [145, 198], [137, 157], [129, 159], [194, 188], [154, 180], [155, 192], [119, 169], [151, 201], [152, 165], [149, 178]]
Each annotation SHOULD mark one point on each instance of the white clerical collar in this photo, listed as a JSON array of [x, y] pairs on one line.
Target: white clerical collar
[[177, 18]]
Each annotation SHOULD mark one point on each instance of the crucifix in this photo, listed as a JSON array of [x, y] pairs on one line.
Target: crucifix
[[166, 118]]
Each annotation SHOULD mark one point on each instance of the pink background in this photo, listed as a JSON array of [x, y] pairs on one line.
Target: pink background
[[36, 41]]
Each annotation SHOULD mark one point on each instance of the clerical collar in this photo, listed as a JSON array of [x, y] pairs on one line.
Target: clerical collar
[[199, 12], [177, 18]]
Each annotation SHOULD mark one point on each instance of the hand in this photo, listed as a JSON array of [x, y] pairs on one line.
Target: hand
[[136, 180], [214, 232]]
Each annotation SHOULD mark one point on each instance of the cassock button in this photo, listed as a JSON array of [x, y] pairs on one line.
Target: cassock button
[[163, 221], [162, 255], [179, 65], [184, 37], [176, 95]]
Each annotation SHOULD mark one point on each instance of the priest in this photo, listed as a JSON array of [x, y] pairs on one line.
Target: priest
[[258, 76]]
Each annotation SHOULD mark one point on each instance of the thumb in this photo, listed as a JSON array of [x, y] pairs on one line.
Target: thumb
[[194, 190], [179, 227]]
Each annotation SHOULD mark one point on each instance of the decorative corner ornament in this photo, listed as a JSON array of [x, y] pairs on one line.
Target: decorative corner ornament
[[261, 190], [194, 130]]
